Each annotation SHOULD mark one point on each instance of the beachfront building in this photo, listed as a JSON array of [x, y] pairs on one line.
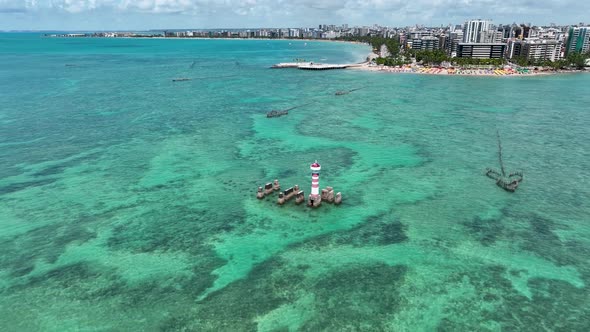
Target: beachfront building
[[330, 34], [475, 31], [481, 50], [424, 44], [534, 49], [542, 49], [578, 40], [294, 33]]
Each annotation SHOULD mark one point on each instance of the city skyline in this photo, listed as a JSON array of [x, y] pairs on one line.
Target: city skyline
[[209, 14]]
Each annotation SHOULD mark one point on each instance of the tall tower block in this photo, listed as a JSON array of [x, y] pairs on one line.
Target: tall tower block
[[314, 198]]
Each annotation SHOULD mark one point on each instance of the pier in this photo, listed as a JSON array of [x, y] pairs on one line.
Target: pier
[[320, 66], [312, 66]]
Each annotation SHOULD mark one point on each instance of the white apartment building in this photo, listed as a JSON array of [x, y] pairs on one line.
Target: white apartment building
[[475, 31]]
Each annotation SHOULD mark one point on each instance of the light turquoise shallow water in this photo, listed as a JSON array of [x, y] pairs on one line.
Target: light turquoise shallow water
[[127, 201]]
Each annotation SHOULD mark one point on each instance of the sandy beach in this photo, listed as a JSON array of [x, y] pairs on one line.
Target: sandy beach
[[453, 71]]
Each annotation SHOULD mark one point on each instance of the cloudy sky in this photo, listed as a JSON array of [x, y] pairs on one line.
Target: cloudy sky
[[159, 14]]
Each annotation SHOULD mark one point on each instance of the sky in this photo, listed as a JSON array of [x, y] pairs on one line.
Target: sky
[[204, 14]]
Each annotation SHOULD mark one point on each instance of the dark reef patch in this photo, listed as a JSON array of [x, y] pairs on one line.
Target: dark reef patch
[[177, 229], [288, 172], [14, 187], [172, 228], [379, 230], [555, 305], [59, 168], [540, 238], [175, 324], [362, 297], [45, 243], [356, 297], [531, 232], [66, 276], [485, 231], [51, 170], [235, 307], [74, 233]]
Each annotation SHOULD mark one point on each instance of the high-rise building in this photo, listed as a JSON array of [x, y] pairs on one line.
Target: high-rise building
[[474, 31], [424, 44], [419, 34], [534, 49], [481, 50], [443, 42], [525, 31], [578, 40], [541, 49], [506, 31], [514, 48], [455, 38]]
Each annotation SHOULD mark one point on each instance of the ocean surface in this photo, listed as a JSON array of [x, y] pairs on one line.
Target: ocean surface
[[127, 200]]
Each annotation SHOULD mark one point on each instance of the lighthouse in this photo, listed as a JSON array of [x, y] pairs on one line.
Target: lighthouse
[[314, 198]]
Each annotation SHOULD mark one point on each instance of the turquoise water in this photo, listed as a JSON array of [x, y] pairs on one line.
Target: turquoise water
[[127, 201]]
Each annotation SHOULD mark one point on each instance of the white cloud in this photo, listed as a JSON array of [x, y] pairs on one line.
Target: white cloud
[[236, 13], [17, 6]]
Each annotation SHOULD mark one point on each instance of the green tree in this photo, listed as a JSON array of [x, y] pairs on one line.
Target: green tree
[[577, 59]]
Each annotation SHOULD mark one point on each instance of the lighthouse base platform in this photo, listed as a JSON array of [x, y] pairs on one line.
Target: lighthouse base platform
[[314, 201]]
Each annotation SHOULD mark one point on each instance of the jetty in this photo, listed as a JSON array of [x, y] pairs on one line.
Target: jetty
[[289, 65], [312, 66], [321, 66], [509, 183]]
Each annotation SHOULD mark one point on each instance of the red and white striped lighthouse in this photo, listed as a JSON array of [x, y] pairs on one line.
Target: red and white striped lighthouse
[[315, 198]]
